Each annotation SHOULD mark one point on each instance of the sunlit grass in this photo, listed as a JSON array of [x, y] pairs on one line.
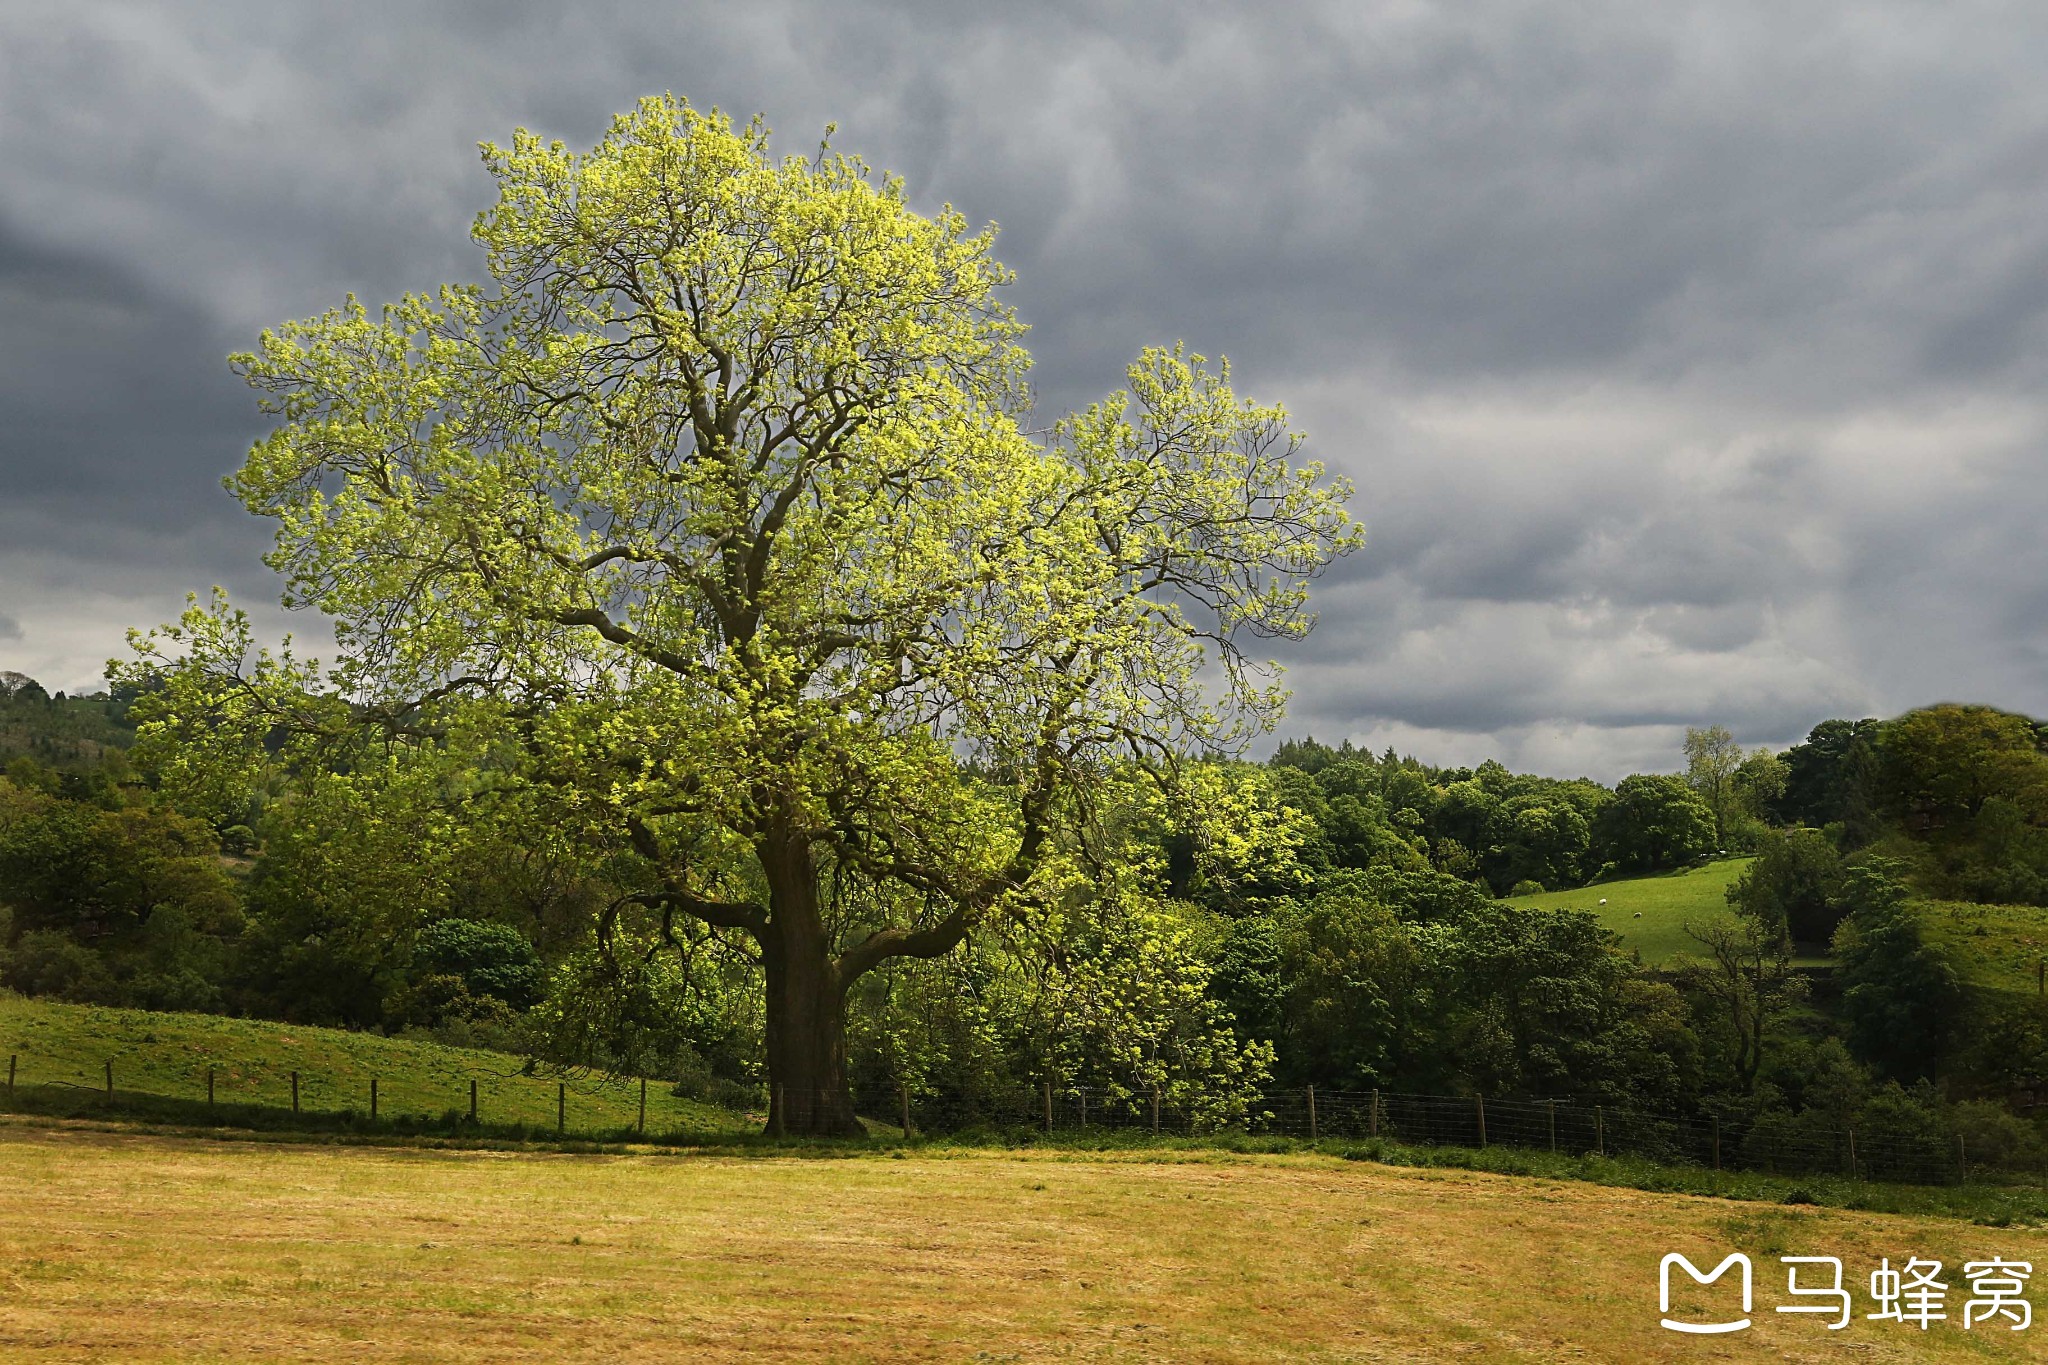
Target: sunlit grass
[[145, 1249], [168, 1055], [1665, 903], [1999, 947]]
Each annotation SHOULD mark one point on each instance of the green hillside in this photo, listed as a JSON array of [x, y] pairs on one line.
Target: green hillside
[[1997, 947], [65, 733], [1664, 903], [167, 1055]]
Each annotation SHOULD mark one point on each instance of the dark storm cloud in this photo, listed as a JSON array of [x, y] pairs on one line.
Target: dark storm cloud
[[1688, 359]]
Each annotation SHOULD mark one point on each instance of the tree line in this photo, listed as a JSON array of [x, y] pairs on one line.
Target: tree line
[[1328, 917]]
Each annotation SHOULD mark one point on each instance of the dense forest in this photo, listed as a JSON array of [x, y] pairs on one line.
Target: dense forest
[[1328, 917]]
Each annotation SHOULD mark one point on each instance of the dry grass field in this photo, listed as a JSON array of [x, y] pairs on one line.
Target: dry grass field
[[120, 1247]]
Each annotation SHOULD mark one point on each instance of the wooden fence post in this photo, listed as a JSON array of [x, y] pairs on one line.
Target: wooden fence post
[[1312, 1135], [561, 1108], [1374, 1130], [1962, 1160], [1852, 1153], [643, 1106], [903, 1095], [295, 1092], [12, 1058], [1083, 1092], [1048, 1106], [1600, 1130], [373, 1097], [1482, 1119]]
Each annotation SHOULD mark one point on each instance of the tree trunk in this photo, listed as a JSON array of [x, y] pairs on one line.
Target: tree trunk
[[806, 1024]]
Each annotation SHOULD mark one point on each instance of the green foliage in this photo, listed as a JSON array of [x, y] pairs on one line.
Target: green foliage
[[353, 863], [1741, 989], [1654, 822], [1418, 981], [712, 522], [1250, 978], [692, 1019], [1831, 780], [1116, 990], [1794, 886], [1358, 1005], [117, 906], [66, 737], [1712, 758], [49, 962], [489, 959], [1900, 997], [1939, 765]]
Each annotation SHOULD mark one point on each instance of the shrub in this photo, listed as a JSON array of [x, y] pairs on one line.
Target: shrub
[[490, 960], [48, 962]]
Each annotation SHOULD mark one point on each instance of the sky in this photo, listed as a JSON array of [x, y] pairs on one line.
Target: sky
[[1688, 359]]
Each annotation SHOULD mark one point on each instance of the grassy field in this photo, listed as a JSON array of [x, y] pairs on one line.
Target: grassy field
[[134, 1248], [1999, 947], [1665, 902], [168, 1055]]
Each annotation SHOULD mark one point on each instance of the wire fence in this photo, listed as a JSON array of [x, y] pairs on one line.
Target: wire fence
[[487, 1101], [1913, 1148]]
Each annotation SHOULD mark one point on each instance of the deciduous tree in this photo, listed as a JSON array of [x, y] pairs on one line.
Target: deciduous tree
[[716, 516]]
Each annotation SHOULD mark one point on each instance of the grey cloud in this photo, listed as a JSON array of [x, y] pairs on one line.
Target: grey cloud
[[1689, 360]]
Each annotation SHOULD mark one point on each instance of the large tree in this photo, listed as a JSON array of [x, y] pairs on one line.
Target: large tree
[[1712, 758], [717, 521]]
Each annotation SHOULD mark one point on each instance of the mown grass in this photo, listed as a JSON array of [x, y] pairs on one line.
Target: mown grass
[[1665, 902], [149, 1248], [160, 1063]]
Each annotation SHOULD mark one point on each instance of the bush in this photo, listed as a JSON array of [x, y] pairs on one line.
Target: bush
[[1901, 1136], [1993, 1135], [490, 960], [48, 962], [1795, 885]]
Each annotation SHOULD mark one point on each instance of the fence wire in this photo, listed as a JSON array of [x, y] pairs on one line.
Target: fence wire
[[1805, 1144], [1775, 1143]]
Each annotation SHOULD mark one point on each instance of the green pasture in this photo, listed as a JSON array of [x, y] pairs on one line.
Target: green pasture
[[1650, 913], [1996, 947], [55, 1046]]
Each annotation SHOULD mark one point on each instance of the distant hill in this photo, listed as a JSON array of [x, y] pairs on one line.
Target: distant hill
[[69, 734]]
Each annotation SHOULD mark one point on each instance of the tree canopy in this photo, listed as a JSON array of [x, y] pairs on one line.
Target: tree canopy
[[713, 526]]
